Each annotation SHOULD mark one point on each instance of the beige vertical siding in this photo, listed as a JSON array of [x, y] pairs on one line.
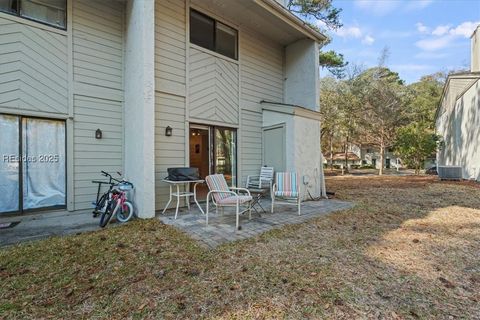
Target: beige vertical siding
[[33, 68], [169, 151], [170, 86], [251, 144], [98, 93], [213, 88], [261, 79], [262, 70], [170, 50]]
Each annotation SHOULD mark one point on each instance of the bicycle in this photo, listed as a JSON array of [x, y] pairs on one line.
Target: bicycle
[[114, 201]]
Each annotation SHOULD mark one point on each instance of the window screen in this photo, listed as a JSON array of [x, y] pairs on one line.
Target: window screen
[[48, 11], [213, 35], [9, 6], [202, 30], [51, 12], [226, 40]]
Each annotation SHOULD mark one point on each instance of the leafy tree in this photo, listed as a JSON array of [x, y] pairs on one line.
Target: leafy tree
[[415, 143], [385, 98], [426, 96], [334, 62], [322, 10]]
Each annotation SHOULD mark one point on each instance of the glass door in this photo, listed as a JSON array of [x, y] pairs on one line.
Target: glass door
[[43, 148], [213, 150], [225, 154], [33, 164], [9, 164]]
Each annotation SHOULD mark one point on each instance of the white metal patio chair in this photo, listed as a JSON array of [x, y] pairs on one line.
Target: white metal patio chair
[[286, 188], [262, 181], [223, 196]]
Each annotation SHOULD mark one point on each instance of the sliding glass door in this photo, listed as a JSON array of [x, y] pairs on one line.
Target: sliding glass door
[[32, 172], [225, 151], [44, 163], [9, 163], [214, 150]]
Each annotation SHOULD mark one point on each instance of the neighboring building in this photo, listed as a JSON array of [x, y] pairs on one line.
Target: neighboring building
[[90, 85], [458, 117], [370, 155], [364, 155], [338, 159]]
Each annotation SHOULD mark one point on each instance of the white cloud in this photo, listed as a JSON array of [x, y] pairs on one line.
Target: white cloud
[[368, 40], [422, 28], [465, 29], [432, 44], [349, 32], [444, 35], [441, 30]]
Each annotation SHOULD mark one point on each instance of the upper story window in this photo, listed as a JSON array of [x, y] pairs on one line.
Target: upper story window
[[213, 35], [50, 12]]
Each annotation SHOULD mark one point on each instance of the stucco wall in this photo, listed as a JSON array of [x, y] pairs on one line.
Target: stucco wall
[[301, 75], [307, 155]]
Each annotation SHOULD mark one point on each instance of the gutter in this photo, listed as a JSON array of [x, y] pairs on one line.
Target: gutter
[[281, 12]]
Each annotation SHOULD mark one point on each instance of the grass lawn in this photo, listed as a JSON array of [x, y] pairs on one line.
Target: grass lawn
[[409, 249]]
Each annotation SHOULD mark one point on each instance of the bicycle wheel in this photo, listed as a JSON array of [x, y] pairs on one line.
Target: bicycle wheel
[[125, 212], [107, 214]]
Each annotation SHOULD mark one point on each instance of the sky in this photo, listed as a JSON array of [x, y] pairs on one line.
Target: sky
[[423, 36]]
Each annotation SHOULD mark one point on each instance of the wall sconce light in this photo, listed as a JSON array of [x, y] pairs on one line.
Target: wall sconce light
[[168, 131], [98, 134]]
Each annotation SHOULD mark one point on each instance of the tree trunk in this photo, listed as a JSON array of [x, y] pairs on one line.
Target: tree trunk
[[346, 154], [382, 158], [331, 151]]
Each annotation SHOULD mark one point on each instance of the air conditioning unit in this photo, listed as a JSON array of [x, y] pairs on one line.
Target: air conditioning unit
[[450, 172]]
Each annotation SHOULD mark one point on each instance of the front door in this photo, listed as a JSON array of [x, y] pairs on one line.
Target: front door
[[32, 168]]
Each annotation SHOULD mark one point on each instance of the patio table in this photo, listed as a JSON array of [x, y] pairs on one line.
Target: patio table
[[257, 195], [185, 194]]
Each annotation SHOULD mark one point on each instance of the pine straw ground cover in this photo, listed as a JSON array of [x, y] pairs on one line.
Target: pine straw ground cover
[[409, 249]]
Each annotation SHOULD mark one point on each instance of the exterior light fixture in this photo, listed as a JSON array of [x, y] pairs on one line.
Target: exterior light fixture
[[168, 131], [98, 134]]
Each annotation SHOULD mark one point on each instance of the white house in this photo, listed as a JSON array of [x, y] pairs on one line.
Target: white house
[[88, 85], [458, 117]]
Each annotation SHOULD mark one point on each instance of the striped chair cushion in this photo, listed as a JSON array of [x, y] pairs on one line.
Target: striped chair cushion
[[287, 194], [287, 184], [233, 200], [218, 182]]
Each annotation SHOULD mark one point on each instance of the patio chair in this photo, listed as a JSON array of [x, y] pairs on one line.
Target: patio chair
[[223, 196], [286, 188], [259, 186], [262, 181]]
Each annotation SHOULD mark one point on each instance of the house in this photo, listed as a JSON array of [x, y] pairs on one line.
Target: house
[[338, 159], [140, 86], [458, 117], [370, 156], [365, 155]]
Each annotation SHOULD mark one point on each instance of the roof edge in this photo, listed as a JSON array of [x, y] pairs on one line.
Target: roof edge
[[283, 13]]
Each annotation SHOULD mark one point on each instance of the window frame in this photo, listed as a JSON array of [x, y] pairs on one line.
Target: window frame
[[20, 16], [215, 22]]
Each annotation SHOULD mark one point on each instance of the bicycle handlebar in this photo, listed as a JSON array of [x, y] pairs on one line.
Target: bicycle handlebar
[[106, 174]]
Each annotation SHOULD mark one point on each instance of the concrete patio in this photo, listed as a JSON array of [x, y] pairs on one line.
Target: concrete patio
[[221, 228]]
